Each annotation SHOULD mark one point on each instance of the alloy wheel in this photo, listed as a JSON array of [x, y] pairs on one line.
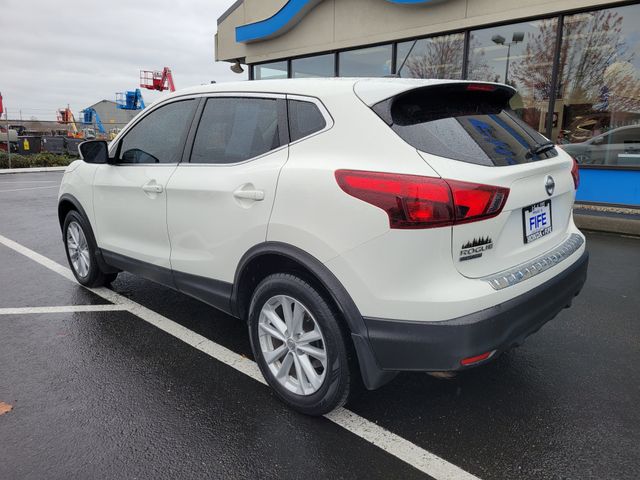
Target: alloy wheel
[[292, 345], [78, 249]]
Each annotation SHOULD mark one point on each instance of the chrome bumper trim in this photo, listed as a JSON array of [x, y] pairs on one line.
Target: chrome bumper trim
[[515, 275]]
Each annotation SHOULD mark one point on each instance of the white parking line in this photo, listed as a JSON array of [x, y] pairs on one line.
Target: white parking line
[[28, 181], [391, 443], [62, 309], [29, 188]]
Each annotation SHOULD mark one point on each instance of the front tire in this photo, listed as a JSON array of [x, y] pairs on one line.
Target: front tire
[[299, 345], [80, 247]]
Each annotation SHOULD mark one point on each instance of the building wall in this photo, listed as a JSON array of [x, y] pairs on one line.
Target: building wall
[[110, 115], [338, 24]]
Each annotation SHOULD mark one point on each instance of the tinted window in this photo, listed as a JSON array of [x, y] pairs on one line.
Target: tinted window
[[319, 66], [366, 62], [437, 57], [471, 126], [270, 71], [158, 137], [304, 119], [599, 85], [232, 130], [520, 55]]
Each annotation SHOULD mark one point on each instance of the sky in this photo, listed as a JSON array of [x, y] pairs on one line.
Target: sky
[[79, 52]]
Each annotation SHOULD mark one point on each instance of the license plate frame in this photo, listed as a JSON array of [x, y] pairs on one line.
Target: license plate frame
[[539, 214]]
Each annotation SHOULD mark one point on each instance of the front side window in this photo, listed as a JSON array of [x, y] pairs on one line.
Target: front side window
[[158, 137], [233, 130]]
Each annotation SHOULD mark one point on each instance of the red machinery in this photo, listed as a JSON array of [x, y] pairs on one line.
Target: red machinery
[[65, 116], [1, 107], [157, 80]]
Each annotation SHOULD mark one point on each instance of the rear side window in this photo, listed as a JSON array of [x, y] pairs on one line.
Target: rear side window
[[233, 130], [473, 126], [305, 119], [159, 137]]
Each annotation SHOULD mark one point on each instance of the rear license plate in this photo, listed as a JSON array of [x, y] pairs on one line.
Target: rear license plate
[[536, 220]]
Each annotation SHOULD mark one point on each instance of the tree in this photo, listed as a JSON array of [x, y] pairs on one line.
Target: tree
[[533, 71], [442, 57]]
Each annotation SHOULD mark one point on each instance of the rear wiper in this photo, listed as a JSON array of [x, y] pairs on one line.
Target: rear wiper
[[540, 148]]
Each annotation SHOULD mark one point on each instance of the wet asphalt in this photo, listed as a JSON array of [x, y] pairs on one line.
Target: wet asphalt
[[107, 395]]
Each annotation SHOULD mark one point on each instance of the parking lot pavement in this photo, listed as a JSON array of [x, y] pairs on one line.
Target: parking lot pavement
[[106, 394]]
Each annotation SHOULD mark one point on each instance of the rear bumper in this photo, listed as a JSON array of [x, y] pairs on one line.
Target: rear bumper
[[440, 346]]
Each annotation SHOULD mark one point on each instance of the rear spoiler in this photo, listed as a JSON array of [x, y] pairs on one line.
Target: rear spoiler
[[495, 93]]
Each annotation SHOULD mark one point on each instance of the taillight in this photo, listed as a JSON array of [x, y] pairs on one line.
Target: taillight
[[474, 201], [413, 201], [575, 173]]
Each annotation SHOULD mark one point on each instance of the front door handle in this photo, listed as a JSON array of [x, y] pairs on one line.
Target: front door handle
[[152, 187], [255, 195]]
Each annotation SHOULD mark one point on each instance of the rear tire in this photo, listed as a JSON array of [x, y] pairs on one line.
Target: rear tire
[[301, 353], [81, 249]]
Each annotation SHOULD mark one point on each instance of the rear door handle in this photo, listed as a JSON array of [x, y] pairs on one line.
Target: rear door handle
[[255, 195], [152, 187]]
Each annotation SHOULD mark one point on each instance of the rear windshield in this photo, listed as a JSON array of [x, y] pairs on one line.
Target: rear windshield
[[473, 126]]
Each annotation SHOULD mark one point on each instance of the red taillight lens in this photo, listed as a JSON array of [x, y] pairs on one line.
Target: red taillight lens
[[477, 202], [481, 87], [575, 173], [413, 201]]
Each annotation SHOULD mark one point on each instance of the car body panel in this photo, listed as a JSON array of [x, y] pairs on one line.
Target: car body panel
[[130, 221], [210, 229]]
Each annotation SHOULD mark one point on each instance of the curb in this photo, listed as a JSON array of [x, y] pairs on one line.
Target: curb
[[8, 171], [607, 219]]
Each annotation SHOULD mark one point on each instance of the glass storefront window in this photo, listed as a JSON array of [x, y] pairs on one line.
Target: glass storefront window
[[269, 71], [366, 62], [319, 66], [520, 55], [598, 102], [438, 57]]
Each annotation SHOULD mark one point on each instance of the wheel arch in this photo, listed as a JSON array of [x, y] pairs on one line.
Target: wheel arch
[[66, 203], [277, 257]]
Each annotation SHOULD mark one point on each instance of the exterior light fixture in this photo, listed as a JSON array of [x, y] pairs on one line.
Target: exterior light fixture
[[236, 67]]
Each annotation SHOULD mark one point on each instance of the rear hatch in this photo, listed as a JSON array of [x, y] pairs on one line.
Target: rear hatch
[[469, 132]]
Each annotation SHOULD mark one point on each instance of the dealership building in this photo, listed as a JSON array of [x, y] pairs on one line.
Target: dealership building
[[575, 63]]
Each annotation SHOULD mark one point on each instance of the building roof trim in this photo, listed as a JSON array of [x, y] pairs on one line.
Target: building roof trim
[[229, 11]]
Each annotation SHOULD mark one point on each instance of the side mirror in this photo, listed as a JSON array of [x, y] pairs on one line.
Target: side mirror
[[94, 151], [598, 141]]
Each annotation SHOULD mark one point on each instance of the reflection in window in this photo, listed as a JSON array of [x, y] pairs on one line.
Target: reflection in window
[[158, 137], [598, 104], [320, 66], [438, 57], [269, 71], [520, 55], [366, 62], [232, 130], [304, 119]]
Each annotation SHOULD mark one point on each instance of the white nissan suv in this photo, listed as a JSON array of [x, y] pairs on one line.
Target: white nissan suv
[[361, 227]]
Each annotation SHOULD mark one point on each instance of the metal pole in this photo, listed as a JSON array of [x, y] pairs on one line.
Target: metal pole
[[506, 73], [6, 112]]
